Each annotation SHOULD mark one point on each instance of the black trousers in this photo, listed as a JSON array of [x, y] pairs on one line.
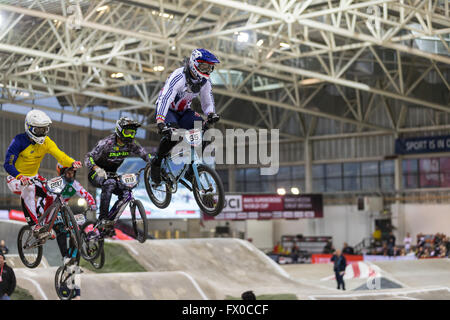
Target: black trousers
[[109, 187], [340, 280]]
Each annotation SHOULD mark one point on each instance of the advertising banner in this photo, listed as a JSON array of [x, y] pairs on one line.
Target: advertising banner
[[305, 206], [422, 145], [262, 203], [372, 258], [270, 206], [16, 215], [325, 258]]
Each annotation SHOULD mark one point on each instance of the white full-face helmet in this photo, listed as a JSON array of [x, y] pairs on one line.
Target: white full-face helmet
[[37, 125]]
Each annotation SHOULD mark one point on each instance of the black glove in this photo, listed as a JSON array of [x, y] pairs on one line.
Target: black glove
[[163, 129], [213, 118]]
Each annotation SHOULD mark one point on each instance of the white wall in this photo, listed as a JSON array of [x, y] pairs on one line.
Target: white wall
[[261, 233], [343, 223], [347, 224], [422, 218]]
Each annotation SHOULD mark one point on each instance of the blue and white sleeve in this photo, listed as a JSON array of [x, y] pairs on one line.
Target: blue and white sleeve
[[207, 99], [168, 95]]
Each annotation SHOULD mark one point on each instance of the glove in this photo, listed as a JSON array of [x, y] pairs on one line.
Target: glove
[[24, 180], [76, 164], [163, 129], [101, 173], [213, 117]]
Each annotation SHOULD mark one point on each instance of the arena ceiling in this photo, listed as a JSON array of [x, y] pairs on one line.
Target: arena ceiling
[[276, 57]]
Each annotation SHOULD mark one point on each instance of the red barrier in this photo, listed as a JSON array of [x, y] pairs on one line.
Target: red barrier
[[16, 215], [325, 258]]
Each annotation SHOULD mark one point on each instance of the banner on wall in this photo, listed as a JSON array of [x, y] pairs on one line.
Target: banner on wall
[[422, 145], [325, 258], [263, 207]]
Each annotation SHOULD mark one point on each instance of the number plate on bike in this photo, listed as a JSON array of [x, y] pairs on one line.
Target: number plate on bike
[[129, 180], [194, 137], [56, 185], [79, 218]]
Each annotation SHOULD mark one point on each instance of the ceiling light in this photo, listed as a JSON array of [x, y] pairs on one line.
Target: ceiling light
[[102, 8], [260, 42], [116, 75], [295, 190], [242, 37], [284, 45], [158, 68], [281, 191]]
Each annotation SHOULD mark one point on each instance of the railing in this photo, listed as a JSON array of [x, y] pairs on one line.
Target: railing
[[365, 243]]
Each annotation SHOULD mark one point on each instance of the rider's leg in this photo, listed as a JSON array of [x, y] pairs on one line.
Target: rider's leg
[[165, 145], [107, 191], [61, 238], [188, 121], [106, 195], [28, 202]]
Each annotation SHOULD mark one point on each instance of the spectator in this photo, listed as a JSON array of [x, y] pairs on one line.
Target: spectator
[[248, 295], [407, 242], [339, 268], [391, 243], [328, 247], [377, 234], [277, 248], [347, 249], [3, 248], [295, 253], [7, 279], [420, 240], [420, 252]]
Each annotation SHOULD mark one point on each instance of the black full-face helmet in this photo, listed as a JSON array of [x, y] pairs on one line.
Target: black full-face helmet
[[126, 129]]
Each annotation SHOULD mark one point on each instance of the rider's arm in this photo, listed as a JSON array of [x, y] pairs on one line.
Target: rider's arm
[[18, 144], [207, 99], [94, 154], [81, 192], [62, 158], [168, 94]]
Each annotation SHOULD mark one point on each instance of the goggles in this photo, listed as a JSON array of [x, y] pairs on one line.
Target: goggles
[[129, 133], [205, 67], [39, 131]]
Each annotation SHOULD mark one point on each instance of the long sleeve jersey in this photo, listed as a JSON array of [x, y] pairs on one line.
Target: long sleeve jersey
[[76, 188], [177, 96], [24, 156], [108, 155]]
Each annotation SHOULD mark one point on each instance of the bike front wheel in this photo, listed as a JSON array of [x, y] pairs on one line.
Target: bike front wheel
[[91, 242], [64, 283], [210, 196], [30, 249], [140, 228], [100, 261], [160, 195], [72, 228]]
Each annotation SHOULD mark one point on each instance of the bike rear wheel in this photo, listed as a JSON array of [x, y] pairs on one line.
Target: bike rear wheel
[[211, 197], [140, 234], [91, 245], [31, 257], [100, 261], [160, 195], [62, 283]]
